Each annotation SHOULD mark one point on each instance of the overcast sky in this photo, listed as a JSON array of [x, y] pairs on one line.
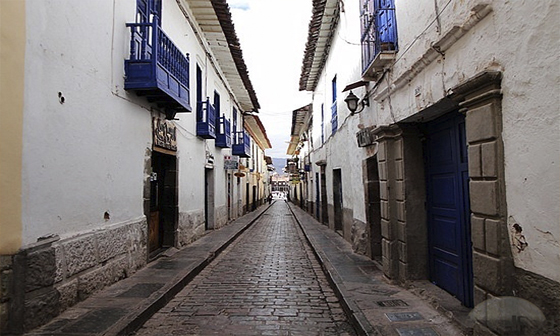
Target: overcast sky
[[272, 34]]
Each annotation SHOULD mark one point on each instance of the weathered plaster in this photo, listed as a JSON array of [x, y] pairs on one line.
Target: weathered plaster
[[530, 116]]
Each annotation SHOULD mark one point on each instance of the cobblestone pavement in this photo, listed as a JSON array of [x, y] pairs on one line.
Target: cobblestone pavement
[[266, 283]]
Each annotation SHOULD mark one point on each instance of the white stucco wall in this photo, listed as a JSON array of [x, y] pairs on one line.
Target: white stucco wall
[[521, 39], [84, 156], [193, 149], [87, 156], [341, 150]]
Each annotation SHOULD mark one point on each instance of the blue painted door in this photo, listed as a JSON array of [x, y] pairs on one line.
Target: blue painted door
[[448, 206]]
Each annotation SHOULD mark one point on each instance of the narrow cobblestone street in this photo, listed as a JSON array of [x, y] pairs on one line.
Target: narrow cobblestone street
[[268, 282]]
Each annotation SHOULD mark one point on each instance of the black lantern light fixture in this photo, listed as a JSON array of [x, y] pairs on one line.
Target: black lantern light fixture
[[352, 101]]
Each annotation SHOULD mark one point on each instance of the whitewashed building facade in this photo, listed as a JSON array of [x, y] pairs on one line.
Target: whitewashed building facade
[[117, 117], [448, 169]]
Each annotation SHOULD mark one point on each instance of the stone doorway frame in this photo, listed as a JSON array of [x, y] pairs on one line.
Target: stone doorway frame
[[402, 190]]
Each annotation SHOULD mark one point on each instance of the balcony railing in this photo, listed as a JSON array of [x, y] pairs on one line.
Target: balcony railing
[[242, 144], [223, 139], [379, 36], [157, 69], [206, 120]]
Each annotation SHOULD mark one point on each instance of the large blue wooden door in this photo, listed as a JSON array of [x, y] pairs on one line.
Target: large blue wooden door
[[448, 206]]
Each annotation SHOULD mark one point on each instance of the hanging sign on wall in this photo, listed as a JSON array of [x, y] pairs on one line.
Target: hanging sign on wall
[[165, 134], [231, 162]]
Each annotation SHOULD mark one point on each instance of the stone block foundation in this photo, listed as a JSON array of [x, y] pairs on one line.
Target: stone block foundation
[[47, 277]]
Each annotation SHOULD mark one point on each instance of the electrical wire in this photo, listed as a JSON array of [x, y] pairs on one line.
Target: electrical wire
[[401, 54], [422, 33], [185, 131]]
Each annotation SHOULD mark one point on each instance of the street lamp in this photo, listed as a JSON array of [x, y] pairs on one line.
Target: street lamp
[[352, 102]]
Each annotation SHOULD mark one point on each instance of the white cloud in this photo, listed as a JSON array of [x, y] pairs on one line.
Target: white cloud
[[239, 4], [272, 34]]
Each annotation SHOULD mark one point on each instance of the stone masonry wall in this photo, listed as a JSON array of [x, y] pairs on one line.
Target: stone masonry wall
[[6, 284], [221, 216], [190, 227], [390, 170], [360, 238], [410, 193], [53, 274], [492, 263]]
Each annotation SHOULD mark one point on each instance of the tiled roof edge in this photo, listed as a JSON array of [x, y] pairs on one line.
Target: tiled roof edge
[[311, 45], [221, 8]]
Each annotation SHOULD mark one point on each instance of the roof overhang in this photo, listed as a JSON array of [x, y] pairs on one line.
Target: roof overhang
[[322, 27], [215, 22], [254, 126], [300, 123]]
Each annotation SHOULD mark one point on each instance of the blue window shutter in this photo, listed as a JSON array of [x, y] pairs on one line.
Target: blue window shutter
[[234, 120], [386, 25], [198, 93], [334, 118], [145, 8], [334, 110], [142, 10], [334, 89], [378, 29]]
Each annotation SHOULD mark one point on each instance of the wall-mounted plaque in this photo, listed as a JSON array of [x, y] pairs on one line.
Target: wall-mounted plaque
[[165, 134]]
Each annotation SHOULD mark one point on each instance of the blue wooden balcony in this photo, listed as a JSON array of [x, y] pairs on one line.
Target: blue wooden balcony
[[206, 120], [223, 139], [157, 69], [242, 144], [379, 36]]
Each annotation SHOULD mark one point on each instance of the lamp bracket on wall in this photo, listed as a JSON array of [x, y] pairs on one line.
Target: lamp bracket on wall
[[353, 103]]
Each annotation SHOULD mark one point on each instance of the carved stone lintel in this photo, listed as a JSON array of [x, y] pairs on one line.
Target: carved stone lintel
[[483, 86], [387, 132]]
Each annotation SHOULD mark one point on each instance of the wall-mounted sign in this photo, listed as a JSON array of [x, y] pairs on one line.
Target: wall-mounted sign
[[165, 134], [231, 162]]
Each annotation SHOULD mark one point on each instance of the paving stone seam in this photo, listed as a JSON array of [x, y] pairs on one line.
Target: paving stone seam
[[352, 311]]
